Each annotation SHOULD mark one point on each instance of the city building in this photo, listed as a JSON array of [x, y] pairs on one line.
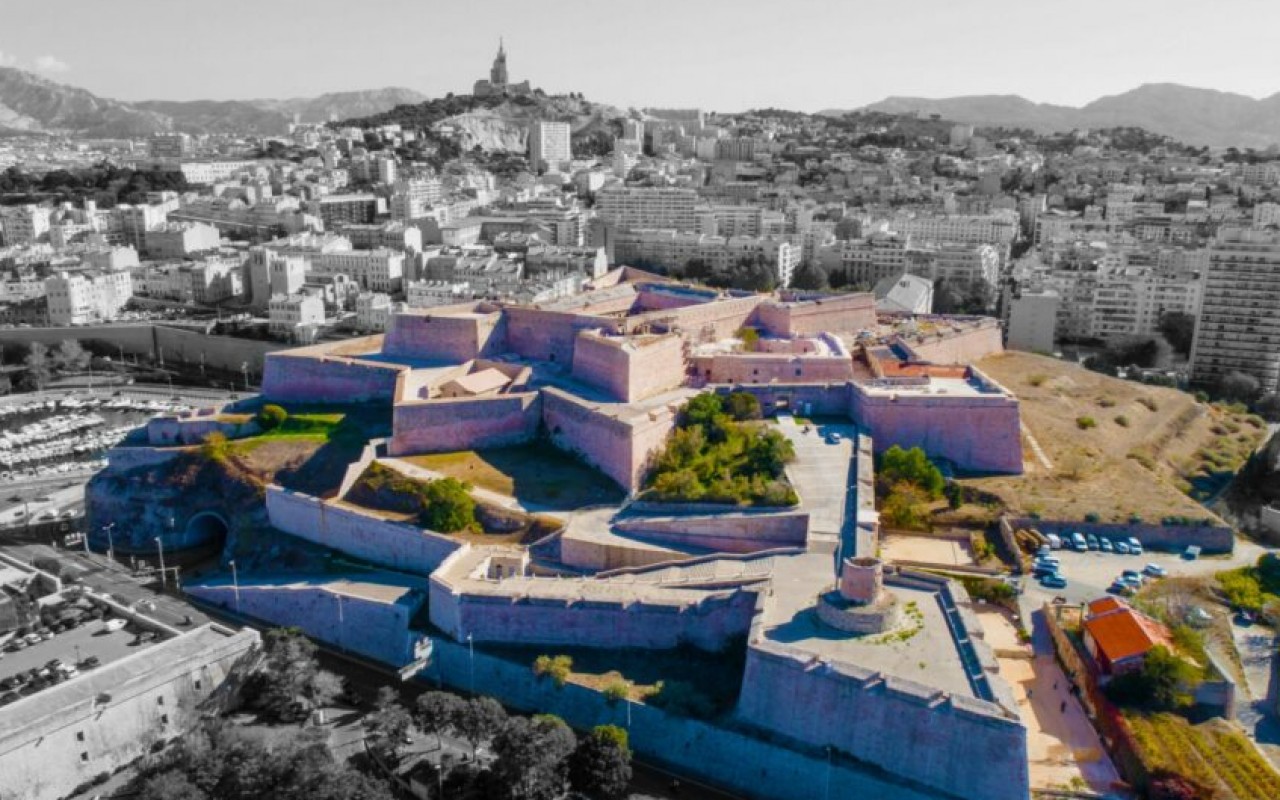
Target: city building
[[499, 82], [297, 316], [180, 240], [1239, 325], [1033, 319], [85, 297], [339, 209], [170, 145], [27, 224], [373, 310], [630, 208], [549, 146]]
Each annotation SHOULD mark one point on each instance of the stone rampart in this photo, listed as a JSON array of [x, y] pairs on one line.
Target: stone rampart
[[963, 346], [701, 322], [824, 399], [323, 379], [841, 313], [1211, 539], [748, 766], [958, 745], [457, 335], [193, 428], [547, 335], [445, 425], [395, 545], [123, 459], [630, 369], [723, 533], [370, 628], [770, 368], [979, 433], [619, 448]]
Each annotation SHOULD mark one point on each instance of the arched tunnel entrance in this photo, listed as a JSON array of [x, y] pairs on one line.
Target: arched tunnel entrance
[[205, 528]]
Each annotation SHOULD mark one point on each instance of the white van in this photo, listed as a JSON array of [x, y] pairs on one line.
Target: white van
[[1078, 542], [1054, 541]]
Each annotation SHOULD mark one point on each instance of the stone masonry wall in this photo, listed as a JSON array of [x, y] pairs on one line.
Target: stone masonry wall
[[1212, 539], [766, 368], [394, 545], [965, 347], [379, 631], [445, 425], [958, 745], [293, 379], [442, 337], [702, 322], [844, 313], [546, 335], [724, 533], [619, 449], [982, 434]]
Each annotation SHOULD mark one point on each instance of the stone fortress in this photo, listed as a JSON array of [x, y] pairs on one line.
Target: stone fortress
[[878, 673]]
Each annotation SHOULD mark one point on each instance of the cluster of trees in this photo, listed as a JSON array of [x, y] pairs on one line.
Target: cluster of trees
[[104, 182], [907, 481], [444, 505], [1140, 353], [1160, 685], [42, 363], [286, 683], [751, 274], [537, 758], [716, 455], [969, 297], [218, 761]]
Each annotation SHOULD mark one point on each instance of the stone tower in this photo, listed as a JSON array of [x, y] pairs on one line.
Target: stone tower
[[498, 72], [859, 603]]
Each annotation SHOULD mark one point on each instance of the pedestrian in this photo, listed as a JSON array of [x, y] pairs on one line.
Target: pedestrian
[[1055, 686], [1063, 708], [1029, 693]]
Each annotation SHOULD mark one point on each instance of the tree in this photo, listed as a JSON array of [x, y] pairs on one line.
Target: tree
[[438, 713], [743, 406], [600, 767], [286, 683], [1159, 685], [1239, 387], [449, 505], [171, 786], [71, 357], [479, 720], [531, 756], [810, 277], [911, 466], [389, 723], [272, 416], [1178, 329], [37, 364], [903, 508]]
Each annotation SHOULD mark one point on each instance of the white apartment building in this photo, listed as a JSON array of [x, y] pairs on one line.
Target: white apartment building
[[957, 264], [373, 270], [1033, 318], [997, 229], [1129, 301], [632, 208], [674, 249], [83, 298], [181, 239], [202, 173], [865, 262], [549, 146], [1238, 329], [1265, 214], [425, 294], [414, 198], [373, 311], [296, 316], [110, 259]]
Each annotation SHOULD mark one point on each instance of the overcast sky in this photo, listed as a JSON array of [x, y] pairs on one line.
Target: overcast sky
[[718, 54]]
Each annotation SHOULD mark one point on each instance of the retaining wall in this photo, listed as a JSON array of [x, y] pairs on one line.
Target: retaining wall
[[321, 379], [372, 629], [159, 341], [963, 347], [744, 764], [842, 313], [458, 336], [828, 399], [445, 424], [1211, 539], [123, 459], [620, 449], [768, 367], [629, 369], [958, 745], [395, 545], [725, 533]]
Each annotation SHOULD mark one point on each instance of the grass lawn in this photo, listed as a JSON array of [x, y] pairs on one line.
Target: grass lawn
[[536, 474], [1213, 753]]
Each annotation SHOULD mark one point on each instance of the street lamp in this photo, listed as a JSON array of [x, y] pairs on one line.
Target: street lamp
[[244, 368], [341, 622], [471, 651], [827, 794], [160, 549], [111, 547], [235, 582]]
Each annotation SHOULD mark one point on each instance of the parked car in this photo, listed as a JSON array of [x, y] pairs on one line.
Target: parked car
[[1122, 548], [1045, 550], [1135, 546], [1078, 542], [113, 625], [1192, 552], [1104, 544], [1121, 589], [90, 662], [1091, 542], [1054, 541], [833, 438], [1131, 577], [9, 697], [1053, 581], [1155, 570]]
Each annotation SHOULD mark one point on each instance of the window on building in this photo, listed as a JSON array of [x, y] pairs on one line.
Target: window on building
[[164, 719], [84, 756], [160, 700], [79, 736]]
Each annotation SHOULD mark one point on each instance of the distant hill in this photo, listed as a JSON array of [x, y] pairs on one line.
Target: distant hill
[[32, 104], [1188, 114]]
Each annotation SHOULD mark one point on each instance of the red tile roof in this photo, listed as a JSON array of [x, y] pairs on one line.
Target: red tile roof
[[1120, 632]]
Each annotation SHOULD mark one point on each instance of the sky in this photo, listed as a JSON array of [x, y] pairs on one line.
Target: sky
[[725, 55]]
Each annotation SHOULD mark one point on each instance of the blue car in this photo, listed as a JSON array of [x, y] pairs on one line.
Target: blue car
[[1053, 581]]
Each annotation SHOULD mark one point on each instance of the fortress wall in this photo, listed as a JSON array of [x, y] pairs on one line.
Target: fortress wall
[[827, 399], [1212, 539], [444, 425], [959, 745], [316, 379], [619, 449], [590, 553], [658, 300], [630, 370], [167, 431], [603, 363], [547, 335], [656, 367], [395, 545], [122, 459], [748, 766], [764, 368], [725, 533], [436, 336], [703, 321], [375, 630], [843, 313], [626, 622], [964, 347], [982, 434]]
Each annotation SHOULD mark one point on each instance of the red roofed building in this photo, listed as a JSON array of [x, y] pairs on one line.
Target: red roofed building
[[1119, 638]]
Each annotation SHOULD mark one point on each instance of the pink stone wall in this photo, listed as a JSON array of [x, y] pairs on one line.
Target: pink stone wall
[[829, 399], [723, 533], [703, 322], [445, 425], [658, 300], [961, 746], [629, 370], [961, 348], [981, 434], [546, 335], [317, 379], [620, 450], [843, 313], [431, 337], [764, 368]]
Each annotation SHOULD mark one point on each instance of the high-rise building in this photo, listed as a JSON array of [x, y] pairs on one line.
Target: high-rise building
[[170, 145], [1239, 325], [631, 208], [549, 145], [27, 224]]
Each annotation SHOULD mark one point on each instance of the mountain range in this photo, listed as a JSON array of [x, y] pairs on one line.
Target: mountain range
[[1188, 114], [32, 104]]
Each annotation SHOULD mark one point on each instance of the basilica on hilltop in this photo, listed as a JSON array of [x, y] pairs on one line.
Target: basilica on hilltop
[[499, 82]]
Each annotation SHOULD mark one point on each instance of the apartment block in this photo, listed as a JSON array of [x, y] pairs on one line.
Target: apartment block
[[82, 298], [632, 208], [1239, 325], [549, 146]]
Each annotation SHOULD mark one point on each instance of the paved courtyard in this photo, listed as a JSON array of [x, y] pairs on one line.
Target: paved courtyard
[[931, 549], [820, 475]]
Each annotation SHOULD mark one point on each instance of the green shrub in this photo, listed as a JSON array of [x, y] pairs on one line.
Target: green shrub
[[1037, 380], [558, 668], [1085, 423], [910, 466], [1242, 588], [743, 406], [617, 690], [216, 447], [449, 505], [272, 416], [1106, 402], [1150, 403], [683, 699], [1092, 517], [1122, 421]]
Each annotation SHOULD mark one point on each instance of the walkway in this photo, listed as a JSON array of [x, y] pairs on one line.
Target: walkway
[[1256, 700]]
